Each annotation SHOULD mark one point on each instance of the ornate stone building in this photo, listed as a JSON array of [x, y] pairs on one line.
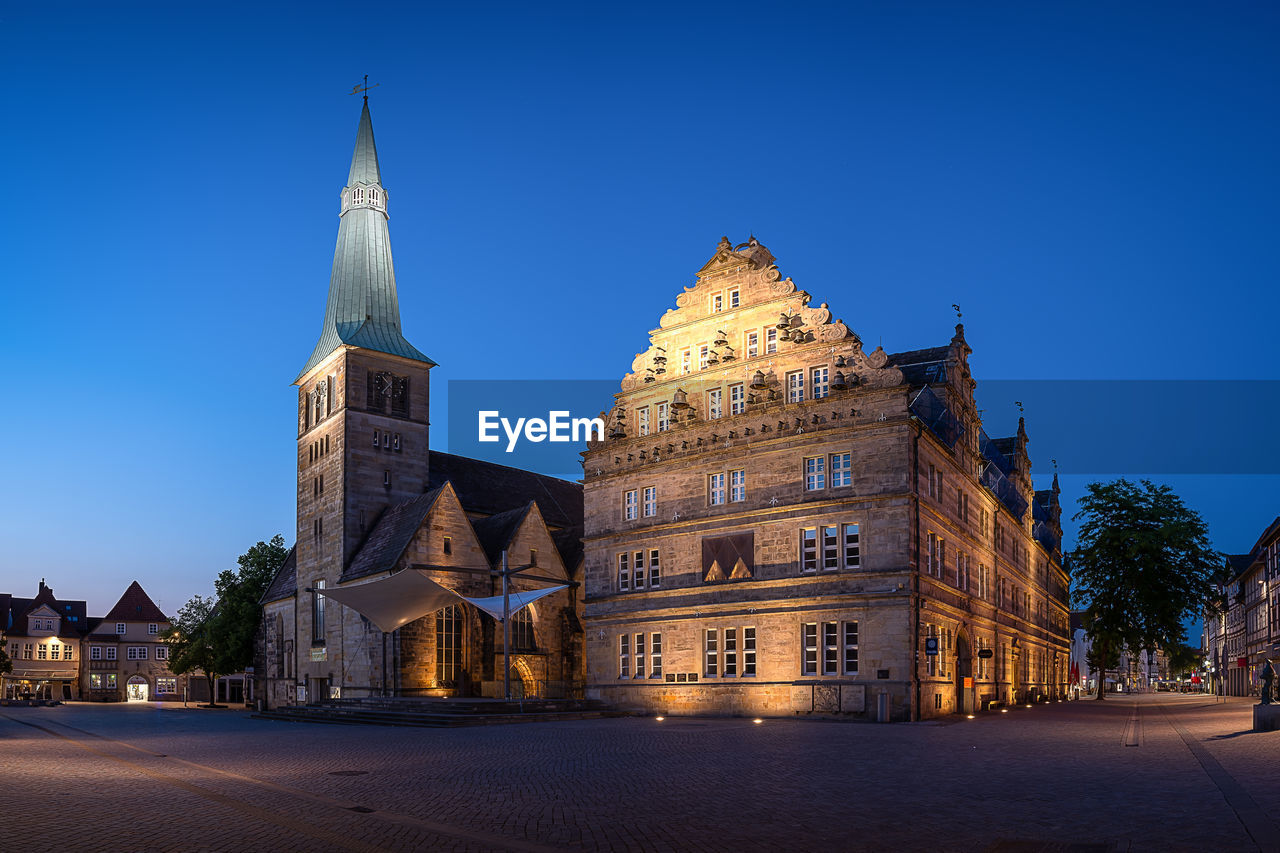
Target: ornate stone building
[[374, 501], [782, 522]]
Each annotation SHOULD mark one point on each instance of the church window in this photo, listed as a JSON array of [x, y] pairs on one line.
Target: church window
[[753, 344], [317, 613], [448, 644], [650, 501], [448, 544], [522, 638]]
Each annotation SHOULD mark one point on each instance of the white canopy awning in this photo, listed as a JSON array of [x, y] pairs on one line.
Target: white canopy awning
[[493, 604], [397, 600]]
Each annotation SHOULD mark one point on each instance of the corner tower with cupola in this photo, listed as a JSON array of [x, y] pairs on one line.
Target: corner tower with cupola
[[362, 411]]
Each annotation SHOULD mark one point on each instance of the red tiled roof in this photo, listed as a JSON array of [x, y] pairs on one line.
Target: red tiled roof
[[135, 606]]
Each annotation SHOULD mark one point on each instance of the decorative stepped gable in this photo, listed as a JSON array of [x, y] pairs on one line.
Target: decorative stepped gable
[[363, 309]]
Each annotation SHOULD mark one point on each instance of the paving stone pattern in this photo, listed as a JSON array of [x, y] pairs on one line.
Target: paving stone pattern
[[1056, 777]]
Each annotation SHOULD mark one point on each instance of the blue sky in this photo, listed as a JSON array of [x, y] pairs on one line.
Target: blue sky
[[1094, 185]]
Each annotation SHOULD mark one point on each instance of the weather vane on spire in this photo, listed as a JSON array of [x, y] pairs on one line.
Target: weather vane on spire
[[365, 88]]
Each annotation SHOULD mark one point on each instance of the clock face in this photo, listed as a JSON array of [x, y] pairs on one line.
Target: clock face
[[384, 384]]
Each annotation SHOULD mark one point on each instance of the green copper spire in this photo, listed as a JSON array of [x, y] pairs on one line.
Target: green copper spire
[[363, 310]]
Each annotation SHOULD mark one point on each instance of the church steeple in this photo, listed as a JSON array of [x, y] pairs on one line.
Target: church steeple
[[363, 309]]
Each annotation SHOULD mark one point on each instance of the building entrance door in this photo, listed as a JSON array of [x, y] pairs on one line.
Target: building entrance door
[[964, 674], [137, 689]]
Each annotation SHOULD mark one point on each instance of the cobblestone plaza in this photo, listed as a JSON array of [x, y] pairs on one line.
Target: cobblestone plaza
[[1160, 772]]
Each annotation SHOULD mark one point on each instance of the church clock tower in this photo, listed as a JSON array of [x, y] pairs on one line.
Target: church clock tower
[[362, 415]]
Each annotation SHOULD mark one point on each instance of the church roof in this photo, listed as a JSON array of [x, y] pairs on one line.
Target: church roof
[[569, 544], [391, 535], [285, 582], [363, 309], [486, 488], [495, 532], [135, 606]]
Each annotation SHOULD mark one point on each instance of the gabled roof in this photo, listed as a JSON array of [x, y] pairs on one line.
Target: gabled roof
[[285, 582], [390, 536], [1272, 531], [569, 544], [485, 488], [135, 606], [14, 611], [495, 532]]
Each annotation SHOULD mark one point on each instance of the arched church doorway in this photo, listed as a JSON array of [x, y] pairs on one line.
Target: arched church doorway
[[964, 674], [137, 689], [523, 684]]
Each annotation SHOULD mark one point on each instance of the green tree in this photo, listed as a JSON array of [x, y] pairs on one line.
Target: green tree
[[191, 643], [235, 622], [6, 665], [1142, 565], [1183, 660]]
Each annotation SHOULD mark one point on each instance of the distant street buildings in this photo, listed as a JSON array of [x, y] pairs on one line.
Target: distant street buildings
[[1246, 633]]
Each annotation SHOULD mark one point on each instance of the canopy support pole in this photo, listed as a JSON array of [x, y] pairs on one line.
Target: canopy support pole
[[506, 630]]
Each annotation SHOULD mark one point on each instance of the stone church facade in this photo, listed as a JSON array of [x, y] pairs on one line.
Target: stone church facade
[[781, 522], [373, 500]]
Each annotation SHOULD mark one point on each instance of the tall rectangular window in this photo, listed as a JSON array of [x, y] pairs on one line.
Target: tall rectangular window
[[684, 361], [95, 652], [809, 649], [753, 344], [737, 401], [717, 302], [639, 673], [841, 469], [830, 648], [738, 485], [664, 417], [642, 420], [655, 569], [703, 356], [715, 489], [111, 652], [624, 571], [624, 655], [795, 387], [809, 549], [830, 548], [735, 298], [317, 613], [770, 341], [852, 547], [730, 651], [655, 654], [715, 399], [637, 570], [748, 651], [818, 382], [815, 475], [711, 653], [851, 648], [629, 507], [650, 501]]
